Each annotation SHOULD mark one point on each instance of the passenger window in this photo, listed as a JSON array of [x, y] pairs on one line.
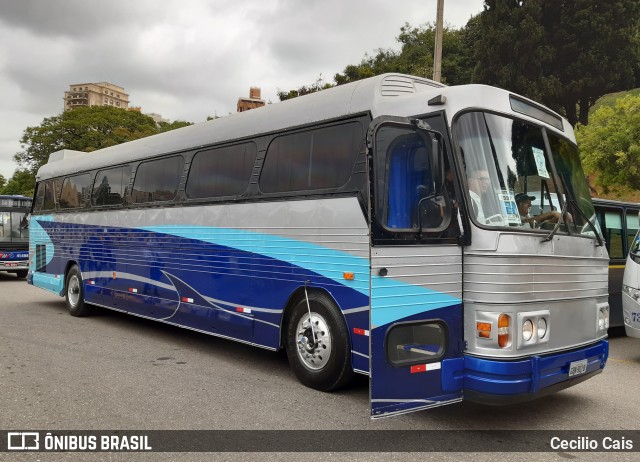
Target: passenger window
[[75, 191], [317, 159], [45, 196], [157, 180], [222, 171], [110, 186]]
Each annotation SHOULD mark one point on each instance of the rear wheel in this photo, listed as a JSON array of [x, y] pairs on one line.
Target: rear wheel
[[318, 344], [22, 273], [74, 294]]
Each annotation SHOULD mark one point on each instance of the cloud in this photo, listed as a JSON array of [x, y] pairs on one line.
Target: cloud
[[186, 59]]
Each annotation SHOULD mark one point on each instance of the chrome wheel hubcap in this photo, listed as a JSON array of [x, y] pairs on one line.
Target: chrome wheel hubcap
[[73, 290], [313, 350]]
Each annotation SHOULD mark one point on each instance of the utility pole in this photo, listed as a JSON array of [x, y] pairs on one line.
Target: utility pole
[[437, 50]]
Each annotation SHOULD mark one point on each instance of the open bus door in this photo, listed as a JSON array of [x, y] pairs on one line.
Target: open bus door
[[416, 327]]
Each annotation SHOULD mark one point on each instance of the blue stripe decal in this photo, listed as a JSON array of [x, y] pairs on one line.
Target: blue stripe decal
[[393, 300], [414, 299], [302, 254]]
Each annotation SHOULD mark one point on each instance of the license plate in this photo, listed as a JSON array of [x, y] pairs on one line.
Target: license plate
[[10, 264], [578, 367]]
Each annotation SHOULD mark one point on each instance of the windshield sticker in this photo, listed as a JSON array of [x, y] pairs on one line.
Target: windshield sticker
[[509, 207], [538, 155]]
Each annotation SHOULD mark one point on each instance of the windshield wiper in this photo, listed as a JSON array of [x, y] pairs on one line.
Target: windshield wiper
[[563, 215]]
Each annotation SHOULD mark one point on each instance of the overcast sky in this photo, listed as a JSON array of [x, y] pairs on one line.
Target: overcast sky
[[187, 59]]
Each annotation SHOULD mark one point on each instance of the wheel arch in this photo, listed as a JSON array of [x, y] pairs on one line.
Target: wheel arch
[[299, 294]]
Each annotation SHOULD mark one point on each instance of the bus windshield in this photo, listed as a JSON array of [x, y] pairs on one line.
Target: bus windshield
[[511, 177], [14, 227]]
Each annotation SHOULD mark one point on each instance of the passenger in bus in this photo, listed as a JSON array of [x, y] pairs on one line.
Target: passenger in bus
[[523, 201], [479, 182]]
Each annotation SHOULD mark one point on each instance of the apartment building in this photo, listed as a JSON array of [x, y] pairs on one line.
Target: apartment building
[[95, 94]]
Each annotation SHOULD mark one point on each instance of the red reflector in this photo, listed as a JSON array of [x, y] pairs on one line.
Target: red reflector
[[187, 299], [360, 331], [418, 368]]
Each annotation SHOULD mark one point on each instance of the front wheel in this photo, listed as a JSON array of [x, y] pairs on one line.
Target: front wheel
[[74, 294], [318, 344]]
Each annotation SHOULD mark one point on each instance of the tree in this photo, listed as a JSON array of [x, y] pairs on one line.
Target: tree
[[3, 181], [318, 85], [167, 127], [415, 57], [610, 145], [22, 182], [563, 53], [82, 129]]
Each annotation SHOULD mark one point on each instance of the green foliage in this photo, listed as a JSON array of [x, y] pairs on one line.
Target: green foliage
[[416, 57], [610, 145], [318, 85], [3, 181], [565, 54], [85, 129], [22, 182], [167, 127]]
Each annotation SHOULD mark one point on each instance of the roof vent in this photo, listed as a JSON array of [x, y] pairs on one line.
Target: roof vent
[[398, 85], [64, 154]]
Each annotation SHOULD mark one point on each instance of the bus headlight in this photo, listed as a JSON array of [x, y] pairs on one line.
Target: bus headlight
[[542, 327], [631, 292], [603, 316], [527, 330], [533, 328]]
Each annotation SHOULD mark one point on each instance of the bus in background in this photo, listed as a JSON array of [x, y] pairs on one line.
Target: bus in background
[[14, 234], [372, 228], [631, 289], [619, 224]]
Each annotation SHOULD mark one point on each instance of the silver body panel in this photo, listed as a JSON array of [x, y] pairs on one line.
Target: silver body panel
[[517, 273]]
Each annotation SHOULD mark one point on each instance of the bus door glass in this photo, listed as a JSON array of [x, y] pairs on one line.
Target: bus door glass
[[416, 273]]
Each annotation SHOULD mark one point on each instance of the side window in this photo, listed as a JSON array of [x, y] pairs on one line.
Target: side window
[[613, 233], [221, 172], [317, 159], [157, 180], [110, 186], [39, 197], [412, 343], [75, 191], [632, 229], [45, 196]]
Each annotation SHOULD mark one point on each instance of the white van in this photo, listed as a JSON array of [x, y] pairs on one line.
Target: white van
[[631, 290]]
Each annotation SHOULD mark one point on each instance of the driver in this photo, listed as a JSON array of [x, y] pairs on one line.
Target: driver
[[523, 201]]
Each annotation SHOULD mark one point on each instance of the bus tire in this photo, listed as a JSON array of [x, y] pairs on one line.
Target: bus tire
[[74, 294], [22, 274], [323, 364]]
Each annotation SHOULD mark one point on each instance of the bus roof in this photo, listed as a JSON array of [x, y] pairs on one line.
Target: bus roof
[[388, 94]]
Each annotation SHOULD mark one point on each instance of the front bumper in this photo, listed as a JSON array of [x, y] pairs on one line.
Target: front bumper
[[14, 265], [491, 381]]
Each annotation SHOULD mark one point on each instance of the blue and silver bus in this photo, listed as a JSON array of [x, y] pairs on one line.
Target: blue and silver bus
[[619, 223], [14, 234], [372, 228], [631, 289]]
